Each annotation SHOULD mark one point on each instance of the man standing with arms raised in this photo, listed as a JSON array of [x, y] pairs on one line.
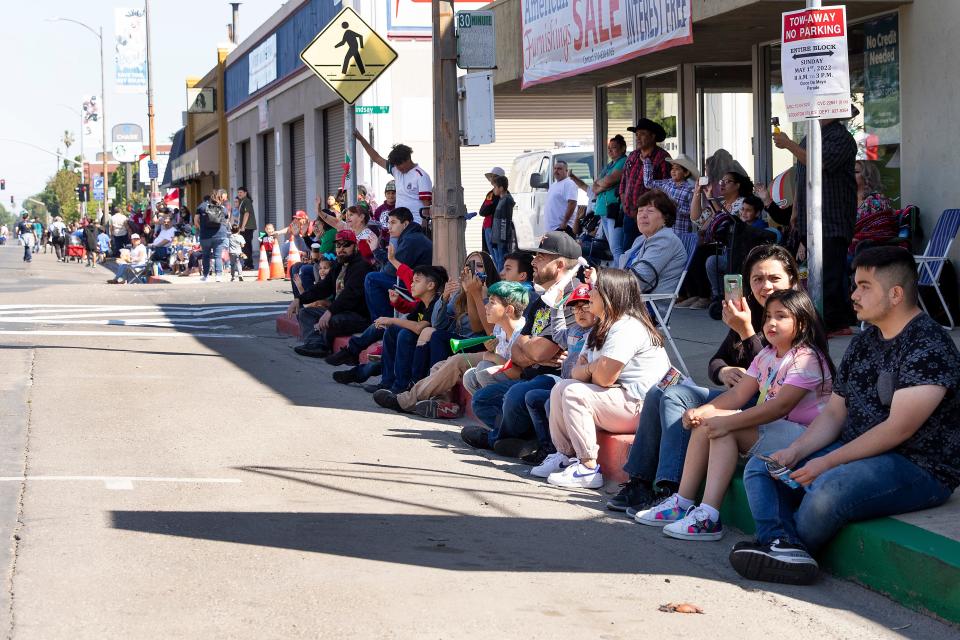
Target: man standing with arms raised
[[413, 186]]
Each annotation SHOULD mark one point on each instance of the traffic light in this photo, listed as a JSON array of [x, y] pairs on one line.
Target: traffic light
[[11, 201], [3, 184], [83, 192]]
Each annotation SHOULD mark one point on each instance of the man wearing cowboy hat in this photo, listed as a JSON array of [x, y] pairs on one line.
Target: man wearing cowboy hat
[[489, 206], [679, 186], [647, 134]]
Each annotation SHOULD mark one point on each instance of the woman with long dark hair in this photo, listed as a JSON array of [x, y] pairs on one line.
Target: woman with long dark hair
[[623, 358], [656, 458]]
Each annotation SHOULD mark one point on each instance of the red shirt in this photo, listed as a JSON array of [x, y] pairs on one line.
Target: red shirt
[[631, 183]]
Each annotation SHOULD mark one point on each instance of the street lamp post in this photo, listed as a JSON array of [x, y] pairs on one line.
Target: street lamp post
[[103, 101]]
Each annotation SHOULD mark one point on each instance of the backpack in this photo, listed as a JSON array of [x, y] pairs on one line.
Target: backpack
[[214, 215], [56, 233]]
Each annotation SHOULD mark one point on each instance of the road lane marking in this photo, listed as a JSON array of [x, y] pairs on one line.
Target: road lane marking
[[122, 479], [128, 334]]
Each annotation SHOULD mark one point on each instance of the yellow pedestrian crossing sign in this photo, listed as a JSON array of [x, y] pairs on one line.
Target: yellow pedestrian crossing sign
[[348, 55]]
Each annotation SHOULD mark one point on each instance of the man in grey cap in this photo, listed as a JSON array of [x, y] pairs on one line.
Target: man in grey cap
[[501, 406]]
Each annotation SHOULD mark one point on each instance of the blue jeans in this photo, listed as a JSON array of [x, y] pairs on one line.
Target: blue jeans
[[398, 358], [213, 246], [614, 236], [375, 288], [497, 252], [630, 232], [882, 485], [660, 444], [369, 336], [538, 406], [307, 278], [502, 407]]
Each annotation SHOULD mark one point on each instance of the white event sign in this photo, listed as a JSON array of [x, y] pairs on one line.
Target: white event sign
[[813, 57], [563, 38], [262, 63]]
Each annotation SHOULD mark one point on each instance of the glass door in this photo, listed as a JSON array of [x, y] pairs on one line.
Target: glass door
[[725, 113], [661, 103]]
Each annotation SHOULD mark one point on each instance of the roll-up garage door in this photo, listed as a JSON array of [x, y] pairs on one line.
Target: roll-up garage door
[[298, 186], [520, 126], [333, 147], [269, 179]]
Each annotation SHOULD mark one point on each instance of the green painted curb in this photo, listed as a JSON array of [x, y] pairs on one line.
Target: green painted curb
[[915, 567]]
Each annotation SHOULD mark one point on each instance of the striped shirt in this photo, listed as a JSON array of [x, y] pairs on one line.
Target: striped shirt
[[681, 194]]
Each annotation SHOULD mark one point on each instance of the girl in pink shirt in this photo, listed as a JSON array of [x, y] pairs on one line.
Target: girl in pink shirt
[[791, 379]]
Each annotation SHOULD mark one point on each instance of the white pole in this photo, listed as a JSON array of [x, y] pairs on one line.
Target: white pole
[[350, 143], [814, 206]]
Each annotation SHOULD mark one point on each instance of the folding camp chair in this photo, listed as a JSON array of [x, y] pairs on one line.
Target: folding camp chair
[[689, 241], [930, 264], [134, 273]]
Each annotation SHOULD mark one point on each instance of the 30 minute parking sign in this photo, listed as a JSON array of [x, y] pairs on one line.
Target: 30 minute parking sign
[[813, 57]]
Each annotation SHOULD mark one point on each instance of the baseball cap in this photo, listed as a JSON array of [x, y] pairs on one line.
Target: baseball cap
[[580, 294], [558, 243], [346, 235], [315, 246], [301, 215], [134, 236], [391, 186]]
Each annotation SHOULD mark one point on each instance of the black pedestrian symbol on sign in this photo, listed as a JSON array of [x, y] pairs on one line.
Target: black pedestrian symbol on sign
[[354, 42]]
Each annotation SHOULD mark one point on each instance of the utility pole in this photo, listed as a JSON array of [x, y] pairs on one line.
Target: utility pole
[[153, 137], [814, 210], [349, 144], [448, 210]]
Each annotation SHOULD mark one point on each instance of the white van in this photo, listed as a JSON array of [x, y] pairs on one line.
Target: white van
[[530, 177]]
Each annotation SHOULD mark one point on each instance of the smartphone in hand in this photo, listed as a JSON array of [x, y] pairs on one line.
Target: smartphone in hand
[[778, 471], [732, 287]]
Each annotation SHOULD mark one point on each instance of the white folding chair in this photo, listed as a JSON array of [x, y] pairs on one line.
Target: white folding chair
[[134, 273], [930, 264], [689, 241]]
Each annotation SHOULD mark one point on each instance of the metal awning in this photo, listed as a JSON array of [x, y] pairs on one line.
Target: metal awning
[[176, 150]]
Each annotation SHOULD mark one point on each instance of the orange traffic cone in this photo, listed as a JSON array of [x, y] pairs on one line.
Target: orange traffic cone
[[276, 263], [293, 258], [264, 271]]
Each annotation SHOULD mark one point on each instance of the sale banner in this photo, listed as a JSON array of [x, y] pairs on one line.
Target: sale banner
[[814, 63], [563, 38]]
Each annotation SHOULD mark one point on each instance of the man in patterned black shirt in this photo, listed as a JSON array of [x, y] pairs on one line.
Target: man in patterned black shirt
[[887, 442], [839, 214]]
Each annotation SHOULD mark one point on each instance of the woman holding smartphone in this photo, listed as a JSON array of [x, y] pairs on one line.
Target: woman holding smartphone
[[656, 458]]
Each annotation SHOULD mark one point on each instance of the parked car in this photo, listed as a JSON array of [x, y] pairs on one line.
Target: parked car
[[531, 175]]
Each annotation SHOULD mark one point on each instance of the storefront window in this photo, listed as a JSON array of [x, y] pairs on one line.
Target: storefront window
[[620, 112], [725, 112], [875, 90], [661, 104]]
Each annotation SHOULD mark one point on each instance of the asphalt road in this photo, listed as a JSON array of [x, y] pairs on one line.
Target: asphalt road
[[171, 469]]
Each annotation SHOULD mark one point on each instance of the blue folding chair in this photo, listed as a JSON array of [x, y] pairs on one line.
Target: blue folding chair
[[930, 264], [689, 241]]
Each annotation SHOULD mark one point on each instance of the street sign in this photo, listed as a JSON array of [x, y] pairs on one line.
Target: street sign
[[371, 109], [98, 187], [476, 40], [348, 55], [813, 57], [152, 170], [127, 151], [201, 100]]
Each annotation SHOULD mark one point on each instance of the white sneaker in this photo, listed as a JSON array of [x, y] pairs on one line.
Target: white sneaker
[[666, 512], [696, 525], [577, 476], [552, 464], [218, 279], [203, 278]]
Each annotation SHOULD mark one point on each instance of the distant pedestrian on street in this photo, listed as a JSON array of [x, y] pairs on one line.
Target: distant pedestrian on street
[[248, 223], [413, 186], [237, 241], [119, 230], [27, 238]]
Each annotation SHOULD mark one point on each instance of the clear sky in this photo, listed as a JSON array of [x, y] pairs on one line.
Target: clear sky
[[44, 64]]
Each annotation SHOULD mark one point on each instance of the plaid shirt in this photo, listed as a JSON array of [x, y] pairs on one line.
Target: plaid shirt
[[839, 184], [631, 183], [681, 194]]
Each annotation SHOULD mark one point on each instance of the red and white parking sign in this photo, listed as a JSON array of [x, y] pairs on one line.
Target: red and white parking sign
[[813, 58]]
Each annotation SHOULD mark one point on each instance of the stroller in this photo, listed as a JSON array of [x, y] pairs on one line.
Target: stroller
[[736, 238]]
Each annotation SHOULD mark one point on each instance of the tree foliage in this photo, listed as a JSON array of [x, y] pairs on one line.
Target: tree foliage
[[64, 187]]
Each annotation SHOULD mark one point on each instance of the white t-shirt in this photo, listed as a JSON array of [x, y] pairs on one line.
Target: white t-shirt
[[628, 341], [558, 196], [118, 223], [138, 254], [164, 234], [411, 187]]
